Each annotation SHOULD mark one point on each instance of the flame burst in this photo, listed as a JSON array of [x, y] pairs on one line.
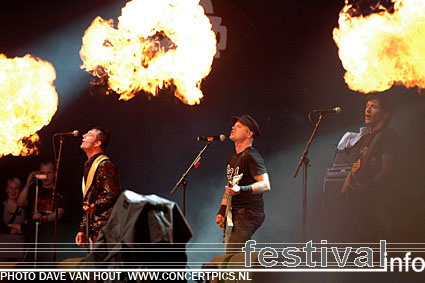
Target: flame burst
[[384, 48], [156, 44], [28, 101]]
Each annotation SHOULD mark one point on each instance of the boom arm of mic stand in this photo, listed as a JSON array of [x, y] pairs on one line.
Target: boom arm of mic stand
[[182, 179], [305, 153]]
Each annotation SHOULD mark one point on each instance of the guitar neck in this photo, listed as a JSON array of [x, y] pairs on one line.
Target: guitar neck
[[229, 204], [235, 179], [229, 197]]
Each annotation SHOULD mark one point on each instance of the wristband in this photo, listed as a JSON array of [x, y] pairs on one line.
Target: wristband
[[246, 189], [45, 218], [222, 210]]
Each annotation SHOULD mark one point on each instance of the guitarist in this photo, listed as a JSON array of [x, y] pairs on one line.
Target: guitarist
[[100, 188], [247, 200], [370, 184]]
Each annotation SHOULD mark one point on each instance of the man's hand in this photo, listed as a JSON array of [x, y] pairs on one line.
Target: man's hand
[[91, 209], [235, 190], [15, 228], [30, 179], [80, 239], [37, 216], [220, 220]]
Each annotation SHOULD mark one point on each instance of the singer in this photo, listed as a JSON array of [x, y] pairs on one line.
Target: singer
[[101, 187], [245, 198]]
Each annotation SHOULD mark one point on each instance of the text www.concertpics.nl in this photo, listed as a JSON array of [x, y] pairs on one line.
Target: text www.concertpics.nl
[[133, 275]]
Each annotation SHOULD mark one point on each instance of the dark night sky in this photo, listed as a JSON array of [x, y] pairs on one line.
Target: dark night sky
[[279, 64]]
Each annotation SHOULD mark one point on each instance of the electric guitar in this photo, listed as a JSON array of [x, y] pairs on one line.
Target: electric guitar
[[228, 226]]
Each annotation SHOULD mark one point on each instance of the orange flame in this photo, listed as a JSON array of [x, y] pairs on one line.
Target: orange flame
[[156, 44], [383, 49], [28, 101]]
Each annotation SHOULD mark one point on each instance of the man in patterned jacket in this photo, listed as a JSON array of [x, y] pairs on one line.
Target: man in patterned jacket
[[100, 186]]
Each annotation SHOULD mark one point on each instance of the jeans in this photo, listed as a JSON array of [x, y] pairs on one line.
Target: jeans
[[245, 222]]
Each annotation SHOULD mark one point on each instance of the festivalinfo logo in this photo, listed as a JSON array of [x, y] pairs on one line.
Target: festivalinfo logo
[[327, 257]]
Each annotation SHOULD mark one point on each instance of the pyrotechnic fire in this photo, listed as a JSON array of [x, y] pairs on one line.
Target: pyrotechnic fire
[[155, 45], [383, 49], [28, 101]]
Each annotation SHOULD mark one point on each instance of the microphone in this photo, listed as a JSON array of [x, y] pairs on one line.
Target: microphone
[[336, 110], [213, 138], [74, 133]]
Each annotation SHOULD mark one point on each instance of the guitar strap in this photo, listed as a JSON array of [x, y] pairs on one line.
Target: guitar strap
[[92, 171], [243, 153], [85, 187]]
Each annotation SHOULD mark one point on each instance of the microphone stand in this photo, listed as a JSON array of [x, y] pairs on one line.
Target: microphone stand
[[37, 223], [55, 199], [305, 162], [183, 178]]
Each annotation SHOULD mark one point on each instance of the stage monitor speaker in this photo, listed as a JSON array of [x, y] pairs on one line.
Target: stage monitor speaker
[[146, 225]]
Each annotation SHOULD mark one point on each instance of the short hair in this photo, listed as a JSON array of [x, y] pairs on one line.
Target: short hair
[[47, 162], [103, 136], [384, 101], [16, 181]]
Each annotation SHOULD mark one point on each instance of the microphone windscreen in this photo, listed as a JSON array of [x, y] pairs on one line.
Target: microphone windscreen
[[338, 110]]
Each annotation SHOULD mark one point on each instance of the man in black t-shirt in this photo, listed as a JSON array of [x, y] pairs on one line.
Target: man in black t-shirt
[[371, 183], [247, 199], [375, 150]]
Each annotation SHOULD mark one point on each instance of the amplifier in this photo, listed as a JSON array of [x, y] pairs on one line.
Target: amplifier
[[333, 200]]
